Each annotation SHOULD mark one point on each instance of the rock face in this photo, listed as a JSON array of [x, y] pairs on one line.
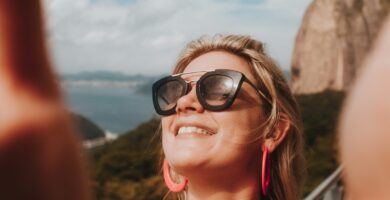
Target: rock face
[[334, 37]]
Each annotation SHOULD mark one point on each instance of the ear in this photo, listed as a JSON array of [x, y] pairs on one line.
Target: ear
[[276, 136]]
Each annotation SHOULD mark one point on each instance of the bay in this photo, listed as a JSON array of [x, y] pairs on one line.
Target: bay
[[117, 110]]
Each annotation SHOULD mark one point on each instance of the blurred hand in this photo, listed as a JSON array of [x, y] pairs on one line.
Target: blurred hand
[[365, 126], [40, 155]]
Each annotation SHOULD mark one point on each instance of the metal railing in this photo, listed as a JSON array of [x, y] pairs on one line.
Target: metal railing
[[329, 189]]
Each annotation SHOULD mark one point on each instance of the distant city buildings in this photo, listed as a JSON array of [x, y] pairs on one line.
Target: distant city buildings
[[104, 83]]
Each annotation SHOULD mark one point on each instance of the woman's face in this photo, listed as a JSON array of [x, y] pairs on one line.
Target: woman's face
[[233, 140]]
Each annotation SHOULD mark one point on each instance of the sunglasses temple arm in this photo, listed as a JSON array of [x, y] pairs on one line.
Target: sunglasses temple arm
[[259, 91], [185, 73]]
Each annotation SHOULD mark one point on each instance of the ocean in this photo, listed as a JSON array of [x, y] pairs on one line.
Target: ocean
[[117, 110]]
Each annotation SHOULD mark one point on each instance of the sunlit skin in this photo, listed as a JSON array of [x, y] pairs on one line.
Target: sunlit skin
[[40, 156], [365, 127], [225, 165]]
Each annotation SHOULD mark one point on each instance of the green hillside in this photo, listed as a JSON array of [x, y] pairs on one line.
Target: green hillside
[[320, 115], [128, 168], [87, 128]]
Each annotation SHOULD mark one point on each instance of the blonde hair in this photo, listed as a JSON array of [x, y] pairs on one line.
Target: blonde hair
[[287, 169]]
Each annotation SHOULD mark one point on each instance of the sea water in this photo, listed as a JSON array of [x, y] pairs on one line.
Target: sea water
[[117, 110]]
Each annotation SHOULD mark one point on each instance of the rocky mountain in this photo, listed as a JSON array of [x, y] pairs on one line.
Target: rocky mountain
[[334, 37], [88, 129]]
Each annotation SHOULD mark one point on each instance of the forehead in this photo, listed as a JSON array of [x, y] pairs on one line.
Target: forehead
[[219, 60]]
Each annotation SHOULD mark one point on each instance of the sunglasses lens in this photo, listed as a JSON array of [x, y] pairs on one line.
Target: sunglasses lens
[[168, 94], [216, 89]]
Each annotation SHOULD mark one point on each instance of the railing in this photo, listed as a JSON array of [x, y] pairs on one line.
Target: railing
[[329, 189]]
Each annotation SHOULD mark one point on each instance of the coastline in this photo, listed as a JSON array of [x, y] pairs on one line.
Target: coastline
[[109, 137]]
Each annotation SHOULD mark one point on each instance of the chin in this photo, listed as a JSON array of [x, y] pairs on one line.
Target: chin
[[183, 162]]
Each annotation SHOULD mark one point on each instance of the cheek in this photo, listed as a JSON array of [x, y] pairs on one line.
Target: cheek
[[166, 123], [237, 141], [241, 126]]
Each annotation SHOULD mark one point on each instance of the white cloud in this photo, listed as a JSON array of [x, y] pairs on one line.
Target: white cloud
[[145, 36]]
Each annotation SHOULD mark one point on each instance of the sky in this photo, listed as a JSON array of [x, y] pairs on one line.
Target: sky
[[146, 36]]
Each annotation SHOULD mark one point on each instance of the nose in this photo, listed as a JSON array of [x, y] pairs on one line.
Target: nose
[[189, 103]]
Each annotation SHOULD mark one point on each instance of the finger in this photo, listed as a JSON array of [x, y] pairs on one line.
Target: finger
[[23, 56], [365, 127]]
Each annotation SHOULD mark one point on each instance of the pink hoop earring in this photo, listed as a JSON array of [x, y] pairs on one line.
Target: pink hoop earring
[[174, 187], [265, 172]]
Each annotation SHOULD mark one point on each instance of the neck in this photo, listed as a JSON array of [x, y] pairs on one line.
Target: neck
[[210, 186]]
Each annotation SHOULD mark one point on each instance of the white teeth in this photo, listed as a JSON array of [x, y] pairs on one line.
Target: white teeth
[[191, 129]]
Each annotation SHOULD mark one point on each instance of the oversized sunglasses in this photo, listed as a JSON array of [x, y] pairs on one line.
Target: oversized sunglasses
[[215, 90]]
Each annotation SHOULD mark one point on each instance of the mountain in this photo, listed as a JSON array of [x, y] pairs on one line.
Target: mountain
[[287, 74], [106, 79], [332, 42], [87, 128], [146, 87], [104, 76]]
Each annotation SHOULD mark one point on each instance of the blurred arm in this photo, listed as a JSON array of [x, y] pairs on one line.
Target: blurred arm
[[365, 127], [40, 156], [23, 54]]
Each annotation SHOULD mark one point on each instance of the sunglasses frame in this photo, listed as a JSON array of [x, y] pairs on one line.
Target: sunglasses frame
[[237, 77]]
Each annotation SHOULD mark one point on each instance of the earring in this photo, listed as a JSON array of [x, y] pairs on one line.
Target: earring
[[265, 171], [174, 187]]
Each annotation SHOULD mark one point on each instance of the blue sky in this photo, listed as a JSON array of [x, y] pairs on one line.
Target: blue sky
[[146, 36]]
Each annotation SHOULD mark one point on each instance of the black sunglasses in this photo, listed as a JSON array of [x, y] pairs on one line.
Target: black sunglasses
[[215, 90]]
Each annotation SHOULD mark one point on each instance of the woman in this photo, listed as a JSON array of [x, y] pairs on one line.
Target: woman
[[230, 125]]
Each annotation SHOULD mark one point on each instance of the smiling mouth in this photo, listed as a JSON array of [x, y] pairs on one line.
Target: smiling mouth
[[193, 130]]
